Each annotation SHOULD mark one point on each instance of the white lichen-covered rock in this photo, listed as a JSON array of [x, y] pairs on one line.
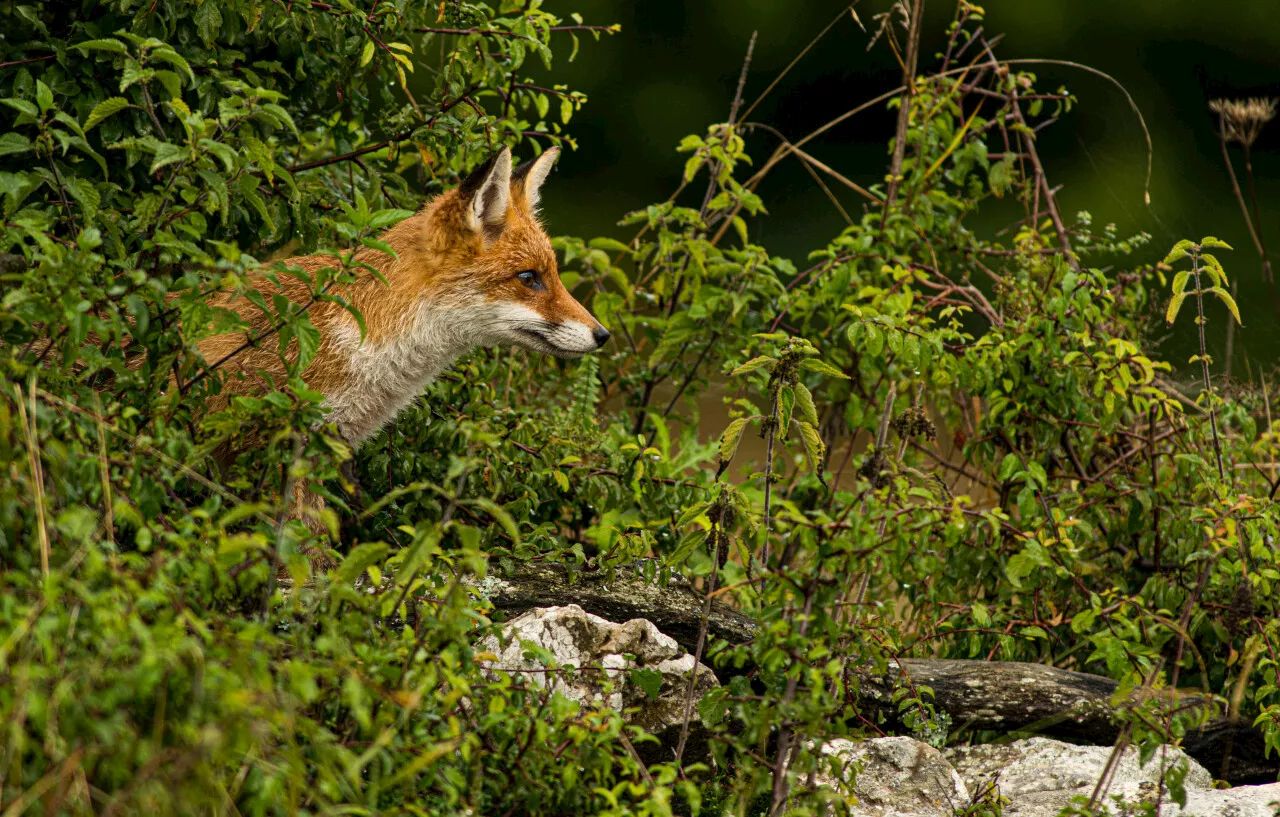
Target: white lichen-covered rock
[[896, 777], [1040, 764], [593, 661], [1040, 776], [1242, 801]]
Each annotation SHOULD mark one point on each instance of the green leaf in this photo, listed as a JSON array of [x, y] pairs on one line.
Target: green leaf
[[1180, 281], [691, 166], [208, 21], [22, 106], [166, 54], [649, 680], [44, 96], [13, 143], [1179, 251], [786, 403], [133, 73], [104, 109], [499, 513], [1009, 466], [814, 447], [804, 399], [85, 194], [608, 245], [691, 513], [754, 363], [167, 154], [308, 342], [1209, 242], [367, 54], [813, 364], [1174, 305], [730, 438], [688, 543], [1226, 298], [358, 560], [114, 46], [1214, 266]]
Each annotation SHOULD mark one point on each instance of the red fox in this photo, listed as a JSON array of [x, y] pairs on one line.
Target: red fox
[[472, 268]]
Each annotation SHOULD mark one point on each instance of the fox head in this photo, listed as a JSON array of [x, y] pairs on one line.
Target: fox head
[[499, 255]]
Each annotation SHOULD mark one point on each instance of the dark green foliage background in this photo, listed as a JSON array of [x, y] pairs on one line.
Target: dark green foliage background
[[911, 435]]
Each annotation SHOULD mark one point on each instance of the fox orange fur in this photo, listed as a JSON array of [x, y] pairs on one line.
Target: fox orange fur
[[472, 268]]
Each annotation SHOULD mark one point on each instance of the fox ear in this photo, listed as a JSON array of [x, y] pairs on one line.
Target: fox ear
[[487, 192], [533, 173]]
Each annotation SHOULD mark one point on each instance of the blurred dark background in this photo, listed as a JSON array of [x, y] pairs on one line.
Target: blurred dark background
[[673, 68]]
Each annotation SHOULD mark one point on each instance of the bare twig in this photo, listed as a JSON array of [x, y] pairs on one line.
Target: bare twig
[[904, 110]]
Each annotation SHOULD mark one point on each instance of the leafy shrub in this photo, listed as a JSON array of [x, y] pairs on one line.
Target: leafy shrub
[[968, 446]]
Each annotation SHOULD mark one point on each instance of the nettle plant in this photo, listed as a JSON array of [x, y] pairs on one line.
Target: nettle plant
[[967, 447]]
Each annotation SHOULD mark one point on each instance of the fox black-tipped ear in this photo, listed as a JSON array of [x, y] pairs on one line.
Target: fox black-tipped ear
[[487, 192], [534, 172]]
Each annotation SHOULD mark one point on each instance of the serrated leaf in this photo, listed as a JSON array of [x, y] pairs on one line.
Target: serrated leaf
[[1180, 281], [691, 513], [104, 109], [1179, 251], [171, 82], [1226, 298], [133, 73], [175, 59], [786, 403], [167, 154], [813, 364], [730, 438], [208, 21], [13, 143], [22, 106], [754, 363], [85, 194], [114, 46], [1210, 242], [1214, 266], [1174, 305], [814, 447], [804, 399]]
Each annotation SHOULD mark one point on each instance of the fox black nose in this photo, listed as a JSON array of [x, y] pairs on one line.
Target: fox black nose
[[601, 336]]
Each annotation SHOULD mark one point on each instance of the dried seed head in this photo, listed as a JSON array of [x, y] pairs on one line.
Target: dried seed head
[[1242, 119]]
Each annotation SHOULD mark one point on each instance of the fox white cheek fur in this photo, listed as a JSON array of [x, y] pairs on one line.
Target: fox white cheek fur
[[516, 323]]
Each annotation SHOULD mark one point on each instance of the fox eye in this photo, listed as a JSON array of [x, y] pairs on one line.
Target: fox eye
[[530, 279]]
